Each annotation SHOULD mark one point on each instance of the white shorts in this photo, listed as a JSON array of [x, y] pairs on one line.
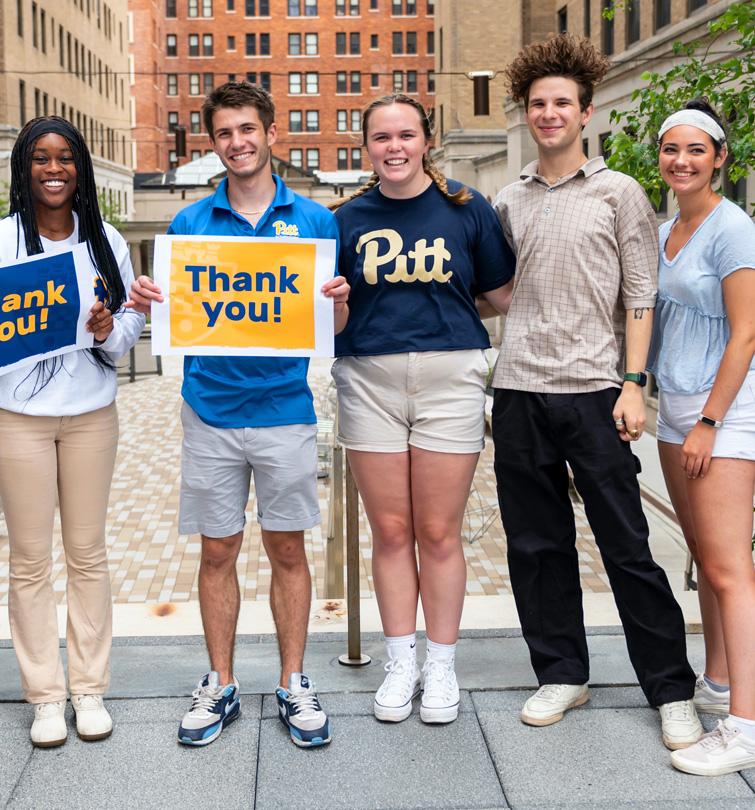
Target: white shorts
[[216, 467], [430, 400], [677, 415]]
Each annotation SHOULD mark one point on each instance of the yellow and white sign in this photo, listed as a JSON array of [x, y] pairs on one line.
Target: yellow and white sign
[[227, 295]]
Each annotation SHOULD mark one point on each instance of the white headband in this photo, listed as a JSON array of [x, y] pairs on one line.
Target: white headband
[[694, 118]]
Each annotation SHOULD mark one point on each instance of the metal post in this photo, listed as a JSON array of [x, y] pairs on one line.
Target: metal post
[[334, 545], [354, 657]]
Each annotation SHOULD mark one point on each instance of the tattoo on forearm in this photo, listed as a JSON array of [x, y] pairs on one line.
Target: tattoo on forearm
[[638, 313]]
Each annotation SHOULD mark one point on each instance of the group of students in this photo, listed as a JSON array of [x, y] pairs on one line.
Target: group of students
[[421, 260]]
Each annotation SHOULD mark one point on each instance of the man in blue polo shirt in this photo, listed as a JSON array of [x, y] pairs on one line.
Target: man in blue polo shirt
[[244, 415]]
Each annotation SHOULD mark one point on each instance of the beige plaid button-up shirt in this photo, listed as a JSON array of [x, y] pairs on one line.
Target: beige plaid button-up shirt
[[586, 250]]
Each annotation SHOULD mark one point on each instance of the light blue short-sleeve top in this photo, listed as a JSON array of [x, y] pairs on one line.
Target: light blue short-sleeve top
[[690, 329]]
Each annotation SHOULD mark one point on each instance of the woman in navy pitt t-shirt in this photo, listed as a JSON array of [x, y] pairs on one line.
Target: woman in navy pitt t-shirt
[[411, 372]]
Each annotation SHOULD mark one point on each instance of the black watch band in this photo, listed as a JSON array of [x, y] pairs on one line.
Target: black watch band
[[638, 377]]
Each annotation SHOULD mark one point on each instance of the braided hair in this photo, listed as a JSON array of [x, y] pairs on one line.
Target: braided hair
[[91, 228], [463, 195]]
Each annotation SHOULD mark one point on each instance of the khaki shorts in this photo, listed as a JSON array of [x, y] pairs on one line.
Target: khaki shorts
[[430, 400]]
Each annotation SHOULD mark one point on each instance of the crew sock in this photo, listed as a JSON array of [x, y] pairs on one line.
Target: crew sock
[[716, 687], [401, 646]]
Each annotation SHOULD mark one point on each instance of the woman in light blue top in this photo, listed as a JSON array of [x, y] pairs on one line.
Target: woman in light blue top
[[702, 357]]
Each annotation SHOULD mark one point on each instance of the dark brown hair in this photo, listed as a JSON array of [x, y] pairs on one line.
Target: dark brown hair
[[563, 55], [459, 197], [236, 95]]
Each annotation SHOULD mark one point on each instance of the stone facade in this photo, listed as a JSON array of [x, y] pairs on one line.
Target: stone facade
[[239, 27], [70, 59]]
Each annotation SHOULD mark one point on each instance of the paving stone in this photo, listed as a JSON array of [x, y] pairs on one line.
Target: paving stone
[[714, 804], [150, 770], [15, 750], [614, 755], [371, 765]]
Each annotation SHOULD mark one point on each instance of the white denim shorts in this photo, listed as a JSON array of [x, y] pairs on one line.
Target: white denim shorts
[[677, 415], [430, 400], [216, 469]]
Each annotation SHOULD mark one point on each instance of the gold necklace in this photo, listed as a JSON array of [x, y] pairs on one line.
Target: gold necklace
[[250, 213]]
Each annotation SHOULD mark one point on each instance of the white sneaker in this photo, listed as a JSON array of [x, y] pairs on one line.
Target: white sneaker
[[440, 695], [723, 750], [551, 701], [93, 722], [680, 725], [49, 727], [393, 700], [709, 701]]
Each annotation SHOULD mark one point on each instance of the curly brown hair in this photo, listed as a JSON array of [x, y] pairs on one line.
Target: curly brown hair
[[562, 55]]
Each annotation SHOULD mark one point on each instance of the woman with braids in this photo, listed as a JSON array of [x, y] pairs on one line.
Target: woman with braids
[[702, 357], [411, 374], [58, 437]]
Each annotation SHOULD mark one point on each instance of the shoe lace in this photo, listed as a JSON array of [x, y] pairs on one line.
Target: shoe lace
[[204, 698], [680, 710], [551, 691], [438, 676], [305, 702], [400, 675], [88, 701], [721, 735], [43, 709]]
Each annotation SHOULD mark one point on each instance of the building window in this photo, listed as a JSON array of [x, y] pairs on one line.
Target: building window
[[294, 84], [341, 85], [170, 8], [411, 81], [694, 5], [294, 121], [230, 5], [20, 17], [251, 44], [313, 159], [193, 8], [403, 8], [312, 83], [430, 81], [207, 46], [373, 5], [208, 80], [374, 80], [265, 80], [430, 43], [586, 147], [194, 84], [171, 45], [561, 19], [264, 44], [341, 120], [342, 160], [632, 24], [295, 157], [43, 31], [373, 42], [193, 45], [356, 158], [586, 14], [294, 44], [355, 82], [340, 43], [356, 120], [195, 126], [230, 44], [602, 138], [207, 8], [172, 84], [313, 120], [355, 44], [340, 8], [196, 154], [662, 15], [172, 159], [172, 121], [397, 42], [606, 30], [311, 47], [251, 8], [297, 7], [411, 42]]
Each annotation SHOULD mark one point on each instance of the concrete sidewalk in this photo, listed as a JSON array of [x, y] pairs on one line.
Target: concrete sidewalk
[[607, 754]]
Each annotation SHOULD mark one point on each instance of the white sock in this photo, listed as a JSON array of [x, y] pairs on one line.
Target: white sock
[[441, 652], [401, 646], [747, 727]]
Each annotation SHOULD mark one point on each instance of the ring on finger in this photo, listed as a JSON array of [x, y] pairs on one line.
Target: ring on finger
[[618, 422], [634, 433]]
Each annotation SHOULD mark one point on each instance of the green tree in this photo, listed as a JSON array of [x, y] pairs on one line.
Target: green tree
[[4, 199], [110, 213], [719, 66]]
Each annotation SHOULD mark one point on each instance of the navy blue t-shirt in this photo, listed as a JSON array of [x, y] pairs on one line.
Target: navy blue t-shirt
[[415, 267]]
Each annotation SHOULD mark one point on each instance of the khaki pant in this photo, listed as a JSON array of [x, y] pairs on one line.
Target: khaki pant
[[72, 457]]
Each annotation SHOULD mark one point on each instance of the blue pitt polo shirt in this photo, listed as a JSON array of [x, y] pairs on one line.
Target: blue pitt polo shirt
[[240, 392]]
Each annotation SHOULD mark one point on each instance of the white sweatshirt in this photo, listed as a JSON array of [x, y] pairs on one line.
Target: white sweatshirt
[[81, 385]]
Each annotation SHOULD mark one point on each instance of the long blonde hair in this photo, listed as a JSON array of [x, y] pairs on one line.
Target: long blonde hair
[[460, 197]]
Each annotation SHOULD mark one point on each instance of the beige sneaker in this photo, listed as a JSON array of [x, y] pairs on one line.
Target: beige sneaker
[[551, 701], [92, 719], [709, 701], [49, 727], [723, 750], [679, 724]]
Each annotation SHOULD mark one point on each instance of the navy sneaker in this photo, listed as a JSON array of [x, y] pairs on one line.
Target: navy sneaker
[[213, 707], [301, 713]]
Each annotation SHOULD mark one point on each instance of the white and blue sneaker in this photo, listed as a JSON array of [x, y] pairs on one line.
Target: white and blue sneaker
[[301, 713], [213, 707]]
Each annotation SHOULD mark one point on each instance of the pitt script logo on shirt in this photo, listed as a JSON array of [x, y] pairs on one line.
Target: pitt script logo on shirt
[[281, 229], [421, 253]]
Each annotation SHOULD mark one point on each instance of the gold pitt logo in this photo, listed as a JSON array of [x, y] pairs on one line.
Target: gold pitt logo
[[281, 229], [374, 259]]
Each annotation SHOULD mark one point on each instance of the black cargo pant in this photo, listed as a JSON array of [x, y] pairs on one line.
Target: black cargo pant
[[535, 436]]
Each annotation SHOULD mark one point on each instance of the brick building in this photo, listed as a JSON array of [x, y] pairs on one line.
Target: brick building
[[70, 58], [323, 61]]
